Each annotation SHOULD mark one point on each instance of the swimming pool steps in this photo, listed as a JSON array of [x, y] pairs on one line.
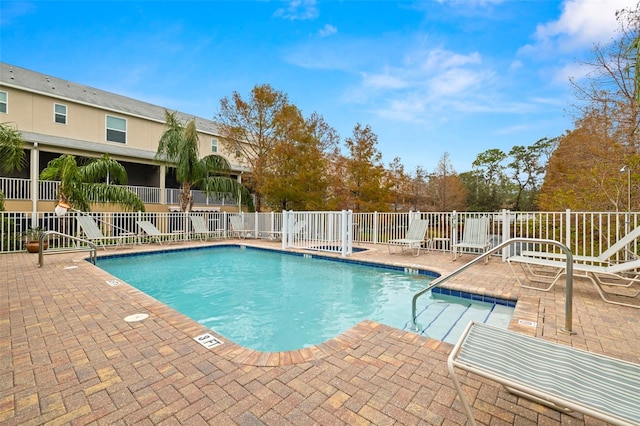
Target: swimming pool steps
[[443, 320]]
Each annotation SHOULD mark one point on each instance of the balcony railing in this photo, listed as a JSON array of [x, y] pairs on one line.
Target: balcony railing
[[20, 189]]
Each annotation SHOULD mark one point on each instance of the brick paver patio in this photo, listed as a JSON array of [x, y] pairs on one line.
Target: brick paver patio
[[68, 357]]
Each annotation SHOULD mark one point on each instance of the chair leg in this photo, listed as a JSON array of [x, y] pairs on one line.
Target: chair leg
[[461, 395], [613, 302], [532, 277]]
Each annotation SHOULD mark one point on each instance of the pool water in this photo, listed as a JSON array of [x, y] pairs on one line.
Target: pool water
[[275, 301]]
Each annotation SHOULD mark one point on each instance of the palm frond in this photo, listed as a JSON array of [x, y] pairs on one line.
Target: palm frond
[[216, 163], [223, 184], [170, 141], [12, 155], [120, 195], [97, 170]]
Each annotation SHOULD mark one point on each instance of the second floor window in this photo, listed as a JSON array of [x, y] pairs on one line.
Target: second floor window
[[60, 113], [116, 129], [3, 102], [214, 145]]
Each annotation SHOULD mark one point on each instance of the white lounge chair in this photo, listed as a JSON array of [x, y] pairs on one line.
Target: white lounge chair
[[201, 229], [93, 233], [414, 239], [606, 257], [154, 233], [238, 229], [623, 275], [558, 376], [295, 232], [475, 236]]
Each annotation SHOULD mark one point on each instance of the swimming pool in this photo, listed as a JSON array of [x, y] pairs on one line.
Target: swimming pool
[[275, 301]]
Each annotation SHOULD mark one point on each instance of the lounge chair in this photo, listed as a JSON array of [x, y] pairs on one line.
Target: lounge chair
[[272, 235], [556, 375], [414, 239], [154, 233], [475, 236], [606, 257], [238, 229], [201, 229], [623, 275], [93, 233]]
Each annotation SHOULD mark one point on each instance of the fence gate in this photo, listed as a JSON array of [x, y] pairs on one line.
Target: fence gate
[[321, 231]]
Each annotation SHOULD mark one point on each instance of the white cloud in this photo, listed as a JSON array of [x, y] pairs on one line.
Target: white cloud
[[576, 71], [454, 81], [515, 65], [430, 85], [582, 23], [299, 10], [327, 30], [443, 59], [383, 81]]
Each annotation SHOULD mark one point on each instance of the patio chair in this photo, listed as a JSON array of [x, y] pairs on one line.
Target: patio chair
[[556, 375], [623, 275], [93, 233], [201, 229], [475, 236], [606, 257], [238, 229], [154, 233], [414, 239]]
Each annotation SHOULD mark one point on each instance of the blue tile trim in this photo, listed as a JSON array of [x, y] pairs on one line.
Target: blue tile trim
[[290, 253], [351, 261], [171, 250], [474, 296]]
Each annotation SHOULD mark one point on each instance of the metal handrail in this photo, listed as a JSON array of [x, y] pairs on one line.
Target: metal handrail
[[568, 307], [46, 234]]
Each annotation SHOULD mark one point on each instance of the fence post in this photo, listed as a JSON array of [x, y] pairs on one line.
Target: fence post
[[285, 229], [375, 228], [350, 229], [567, 231], [454, 229], [256, 225], [225, 224], [344, 225], [35, 181], [506, 231], [271, 222]]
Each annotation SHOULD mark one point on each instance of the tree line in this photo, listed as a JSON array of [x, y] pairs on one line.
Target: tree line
[[299, 163]]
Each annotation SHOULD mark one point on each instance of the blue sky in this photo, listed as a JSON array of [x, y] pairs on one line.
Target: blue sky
[[429, 77]]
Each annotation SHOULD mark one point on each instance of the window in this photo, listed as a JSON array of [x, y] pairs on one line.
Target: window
[[214, 145], [116, 129], [60, 113], [3, 102]]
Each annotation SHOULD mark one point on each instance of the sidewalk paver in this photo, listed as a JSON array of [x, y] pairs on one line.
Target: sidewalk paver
[[68, 357]]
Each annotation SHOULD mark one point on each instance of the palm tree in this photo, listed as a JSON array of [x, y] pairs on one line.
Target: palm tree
[[12, 156], [178, 148], [81, 185]]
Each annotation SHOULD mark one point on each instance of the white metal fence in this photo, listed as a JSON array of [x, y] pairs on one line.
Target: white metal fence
[[585, 233], [320, 231]]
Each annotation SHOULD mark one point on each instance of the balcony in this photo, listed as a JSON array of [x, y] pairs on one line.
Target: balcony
[[20, 189]]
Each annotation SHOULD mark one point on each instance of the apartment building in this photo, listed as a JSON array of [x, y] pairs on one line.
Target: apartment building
[[56, 116]]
